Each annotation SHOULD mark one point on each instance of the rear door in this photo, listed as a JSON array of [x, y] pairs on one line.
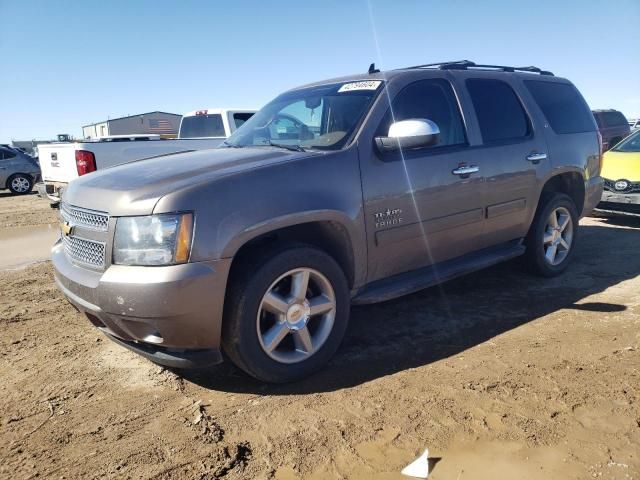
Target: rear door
[[418, 210], [513, 152]]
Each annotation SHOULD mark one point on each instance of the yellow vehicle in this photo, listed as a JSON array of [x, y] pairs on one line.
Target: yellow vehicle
[[621, 173]]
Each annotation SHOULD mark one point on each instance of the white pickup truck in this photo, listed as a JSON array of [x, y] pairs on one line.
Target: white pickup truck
[[62, 162]]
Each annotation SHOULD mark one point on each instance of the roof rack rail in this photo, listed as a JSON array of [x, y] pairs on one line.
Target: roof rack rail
[[467, 64], [439, 64]]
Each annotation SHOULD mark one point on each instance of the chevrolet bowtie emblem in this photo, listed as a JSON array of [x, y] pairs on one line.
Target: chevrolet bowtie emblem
[[67, 228]]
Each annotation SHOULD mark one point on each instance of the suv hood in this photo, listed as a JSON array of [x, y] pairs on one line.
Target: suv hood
[[134, 188]]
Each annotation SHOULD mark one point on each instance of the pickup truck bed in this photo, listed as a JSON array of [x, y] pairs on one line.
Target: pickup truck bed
[[199, 130]]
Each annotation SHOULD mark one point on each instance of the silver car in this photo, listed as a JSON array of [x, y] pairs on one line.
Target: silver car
[[18, 171]]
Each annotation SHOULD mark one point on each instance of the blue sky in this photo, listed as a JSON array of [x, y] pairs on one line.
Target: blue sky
[[69, 63]]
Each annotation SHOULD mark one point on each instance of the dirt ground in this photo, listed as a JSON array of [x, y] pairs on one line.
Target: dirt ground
[[24, 210], [499, 374]]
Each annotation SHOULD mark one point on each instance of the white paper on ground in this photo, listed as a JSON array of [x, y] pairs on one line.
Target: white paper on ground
[[419, 468]]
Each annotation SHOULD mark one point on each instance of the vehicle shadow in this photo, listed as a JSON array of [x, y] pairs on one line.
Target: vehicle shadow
[[621, 221], [7, 193], [443, 321]]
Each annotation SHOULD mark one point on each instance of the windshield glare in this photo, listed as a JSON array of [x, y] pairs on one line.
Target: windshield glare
[[630, 144], [313, 118]]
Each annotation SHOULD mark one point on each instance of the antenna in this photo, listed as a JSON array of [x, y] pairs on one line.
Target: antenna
[[373, 69]]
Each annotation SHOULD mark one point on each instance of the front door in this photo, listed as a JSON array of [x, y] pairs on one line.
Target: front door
[[420, 207]]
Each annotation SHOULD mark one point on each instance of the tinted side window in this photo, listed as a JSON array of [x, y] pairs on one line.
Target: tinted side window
[[433, 100], [240, 118], [614, 119], [598, 118], [6, 154], [562, 105], [498, 109]]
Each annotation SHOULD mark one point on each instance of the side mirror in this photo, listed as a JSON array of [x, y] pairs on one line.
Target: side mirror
[[407, 134]]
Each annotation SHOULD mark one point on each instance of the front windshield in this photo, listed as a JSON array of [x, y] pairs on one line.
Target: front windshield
[[630, 144], [321, 117]]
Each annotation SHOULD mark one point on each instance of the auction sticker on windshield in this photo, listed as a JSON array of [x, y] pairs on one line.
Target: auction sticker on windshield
[[367, 85]]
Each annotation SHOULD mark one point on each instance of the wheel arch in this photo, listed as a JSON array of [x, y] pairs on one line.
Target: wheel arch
[[569, 182], [327, 230], [14, 174]]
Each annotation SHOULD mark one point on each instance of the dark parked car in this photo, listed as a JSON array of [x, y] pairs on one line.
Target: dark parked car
[[18, 171], [385, 184], [613, 126]]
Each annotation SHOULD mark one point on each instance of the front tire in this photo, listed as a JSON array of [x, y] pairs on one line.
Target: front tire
[[552, 237], [20, 184], [285, 317]]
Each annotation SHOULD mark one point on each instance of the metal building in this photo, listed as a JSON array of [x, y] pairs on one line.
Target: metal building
[[162, 123]]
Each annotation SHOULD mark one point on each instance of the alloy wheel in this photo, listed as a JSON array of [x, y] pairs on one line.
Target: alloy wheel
[[20, 185], [296, 315], [558, 236]]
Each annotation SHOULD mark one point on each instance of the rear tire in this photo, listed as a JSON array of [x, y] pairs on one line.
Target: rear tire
[[552, 237], [286, 315], [20, 184]]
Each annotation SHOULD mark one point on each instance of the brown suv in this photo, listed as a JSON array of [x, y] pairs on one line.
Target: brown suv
[[613, 127], [347, 191]]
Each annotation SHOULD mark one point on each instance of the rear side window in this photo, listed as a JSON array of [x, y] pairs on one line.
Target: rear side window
[[6, 154], [614, 119], [499, 111], [240, 118], [598, 118], [562, 106]]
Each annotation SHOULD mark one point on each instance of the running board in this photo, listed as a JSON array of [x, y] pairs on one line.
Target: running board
[[410, 282]]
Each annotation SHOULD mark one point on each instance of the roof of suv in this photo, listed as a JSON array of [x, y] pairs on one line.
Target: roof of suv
[[604, 110], [374, 74]]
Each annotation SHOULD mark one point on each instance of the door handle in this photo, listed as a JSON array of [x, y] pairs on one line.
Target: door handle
[[466, 171], [536, 157]]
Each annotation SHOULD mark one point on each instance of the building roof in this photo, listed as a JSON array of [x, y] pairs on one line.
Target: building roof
[[130, 116]]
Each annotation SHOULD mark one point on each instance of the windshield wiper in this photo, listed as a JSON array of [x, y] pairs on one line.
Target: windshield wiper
[[231, 145], [292, 148]]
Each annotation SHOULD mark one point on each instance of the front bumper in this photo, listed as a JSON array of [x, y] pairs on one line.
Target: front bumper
[[619, 203], [171, 315]]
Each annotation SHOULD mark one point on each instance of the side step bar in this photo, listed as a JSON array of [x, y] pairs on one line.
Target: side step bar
[[410, 282]]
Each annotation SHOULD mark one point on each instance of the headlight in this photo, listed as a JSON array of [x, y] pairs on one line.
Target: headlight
[[153, 240]]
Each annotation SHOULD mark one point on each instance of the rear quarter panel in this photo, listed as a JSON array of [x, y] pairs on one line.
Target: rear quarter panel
[[573, 152]]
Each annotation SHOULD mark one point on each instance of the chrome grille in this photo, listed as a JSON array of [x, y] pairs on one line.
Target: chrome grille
[[85, 218], [84, 251], [610, 186]]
